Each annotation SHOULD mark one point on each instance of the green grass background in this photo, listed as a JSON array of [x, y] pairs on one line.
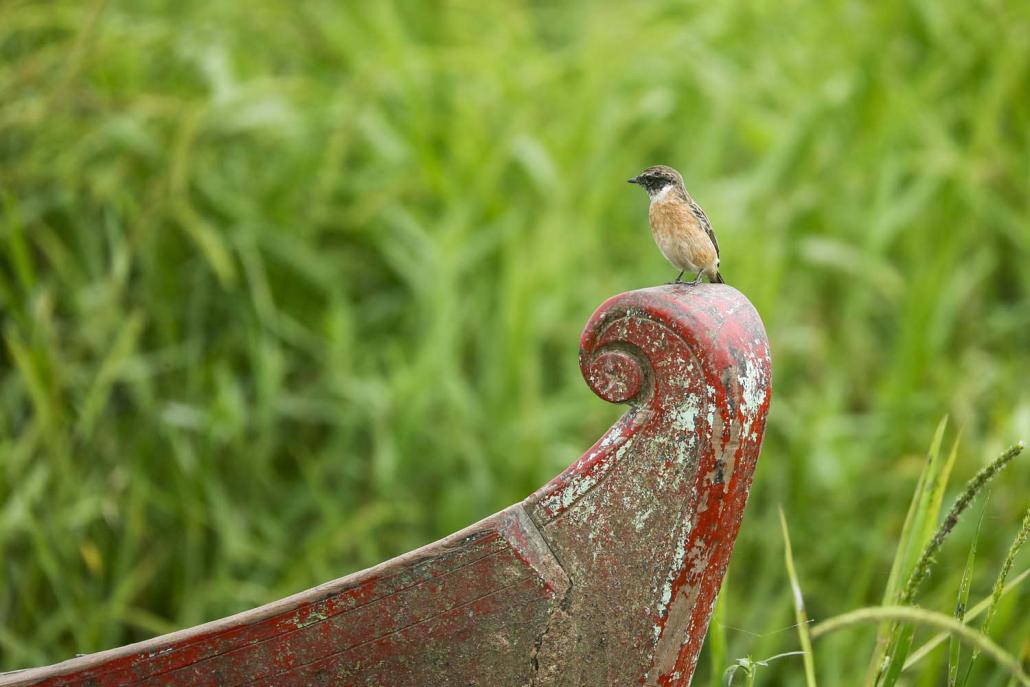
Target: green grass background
[[290, 288]]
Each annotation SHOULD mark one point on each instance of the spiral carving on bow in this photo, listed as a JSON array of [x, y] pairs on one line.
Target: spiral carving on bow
[[639, 345], [617, 373], [615, 352]]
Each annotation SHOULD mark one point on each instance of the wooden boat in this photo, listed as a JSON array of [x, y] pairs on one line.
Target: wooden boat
[[604, 576]]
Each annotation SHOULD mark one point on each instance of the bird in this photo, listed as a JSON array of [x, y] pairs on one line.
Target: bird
[[679, 226]]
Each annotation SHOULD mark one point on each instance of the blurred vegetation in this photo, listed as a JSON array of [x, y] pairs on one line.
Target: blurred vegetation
[[289, 288]]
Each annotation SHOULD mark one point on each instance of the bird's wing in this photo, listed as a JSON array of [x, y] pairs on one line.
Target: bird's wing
[[702, 219]]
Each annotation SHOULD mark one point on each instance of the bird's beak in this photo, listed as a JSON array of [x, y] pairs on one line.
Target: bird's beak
[[633, 180]]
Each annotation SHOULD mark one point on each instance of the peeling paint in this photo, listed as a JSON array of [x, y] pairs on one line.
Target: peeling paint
[[754, 388], [685, 415], [640, 518]]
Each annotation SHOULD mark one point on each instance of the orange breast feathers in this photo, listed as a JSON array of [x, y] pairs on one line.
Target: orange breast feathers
[[680, 236]]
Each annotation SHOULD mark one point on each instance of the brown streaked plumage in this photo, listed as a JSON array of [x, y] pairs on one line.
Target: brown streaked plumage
[[679, 225]]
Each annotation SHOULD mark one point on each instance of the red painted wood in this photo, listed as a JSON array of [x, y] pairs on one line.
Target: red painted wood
[[605, 576]]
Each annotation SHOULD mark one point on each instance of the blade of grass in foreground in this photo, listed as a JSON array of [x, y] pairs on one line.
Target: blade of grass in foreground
[[717, 636], [914, 533], [916, 516], [954, 646], [935, 494], [799, 605], [901, 642]]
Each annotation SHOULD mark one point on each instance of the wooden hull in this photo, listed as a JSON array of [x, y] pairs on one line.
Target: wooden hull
[[605, 576]]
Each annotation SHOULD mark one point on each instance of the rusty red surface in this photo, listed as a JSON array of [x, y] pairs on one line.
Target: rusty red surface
[[605, 576]]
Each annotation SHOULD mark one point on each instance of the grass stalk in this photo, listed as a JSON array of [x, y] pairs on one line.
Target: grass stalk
[[962, 602], [800, 616]]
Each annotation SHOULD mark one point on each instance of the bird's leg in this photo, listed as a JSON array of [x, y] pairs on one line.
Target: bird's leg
[[697, 279], [679, 278]]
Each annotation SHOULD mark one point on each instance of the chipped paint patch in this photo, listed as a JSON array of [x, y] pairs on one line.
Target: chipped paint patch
[[684, 417], [754, 387], [640, 518], [580, 483]]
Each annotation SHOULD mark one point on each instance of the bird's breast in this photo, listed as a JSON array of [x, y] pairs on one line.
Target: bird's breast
[[671, 215], [679, 235]]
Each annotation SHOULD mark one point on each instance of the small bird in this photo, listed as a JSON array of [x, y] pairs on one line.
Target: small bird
[[679, 225]]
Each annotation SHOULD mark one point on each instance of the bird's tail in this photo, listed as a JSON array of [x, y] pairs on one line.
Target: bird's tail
[[717, 279]]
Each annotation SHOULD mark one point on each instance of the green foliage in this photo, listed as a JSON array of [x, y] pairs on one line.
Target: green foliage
[[898, 623], [932, 483], [288, 288]]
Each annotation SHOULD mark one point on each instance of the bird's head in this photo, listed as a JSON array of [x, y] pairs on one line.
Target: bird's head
[[656, 179]]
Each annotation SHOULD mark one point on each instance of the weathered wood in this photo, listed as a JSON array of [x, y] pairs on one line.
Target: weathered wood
[[605, 576]]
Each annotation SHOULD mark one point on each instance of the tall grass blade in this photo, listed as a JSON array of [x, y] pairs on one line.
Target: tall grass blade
[[954, 646], [936, 493], [901, 643], [908, 541], [18, 252], [913, 534], [717, 636], [936, 488], [799, 605], [122, 349]]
